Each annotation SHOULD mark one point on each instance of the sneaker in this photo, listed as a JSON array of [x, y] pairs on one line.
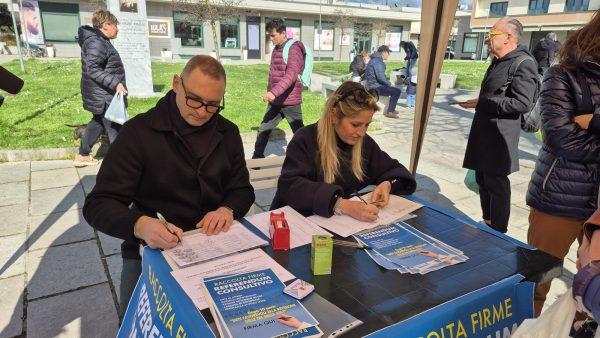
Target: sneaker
[[84, 161], [392, 115]]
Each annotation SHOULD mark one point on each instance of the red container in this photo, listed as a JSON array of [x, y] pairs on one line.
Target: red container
[[279, 231]]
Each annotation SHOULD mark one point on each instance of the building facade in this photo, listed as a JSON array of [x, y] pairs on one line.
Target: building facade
[[539, 17], [177, 34]]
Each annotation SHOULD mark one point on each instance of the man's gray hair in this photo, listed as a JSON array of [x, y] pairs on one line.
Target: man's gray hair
[[551, 36], [517, 26]]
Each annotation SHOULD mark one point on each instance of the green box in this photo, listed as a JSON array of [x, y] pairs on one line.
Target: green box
[[321, 254]]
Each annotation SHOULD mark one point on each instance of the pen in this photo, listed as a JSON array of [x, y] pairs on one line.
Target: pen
[[164, 223], [350, 244], [360, 197]]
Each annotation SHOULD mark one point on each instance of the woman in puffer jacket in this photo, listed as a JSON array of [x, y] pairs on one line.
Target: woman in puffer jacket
[[563, 191]]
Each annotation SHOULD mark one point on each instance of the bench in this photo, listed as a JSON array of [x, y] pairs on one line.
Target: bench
[[264, 173]]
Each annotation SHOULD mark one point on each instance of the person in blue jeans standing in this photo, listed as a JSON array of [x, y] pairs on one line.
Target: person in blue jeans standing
[[379, 83], [411, 56]]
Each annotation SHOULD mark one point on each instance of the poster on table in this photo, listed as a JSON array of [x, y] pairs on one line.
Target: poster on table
[[493, 311], [31, 22], [159, 307], [324, 41], [392, 40], [249, 304]]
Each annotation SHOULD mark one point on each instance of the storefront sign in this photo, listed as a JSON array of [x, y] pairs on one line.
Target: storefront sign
[[159, 29]]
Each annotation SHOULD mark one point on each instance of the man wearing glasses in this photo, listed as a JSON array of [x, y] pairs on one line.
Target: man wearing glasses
[[493, 146], [181, 159]]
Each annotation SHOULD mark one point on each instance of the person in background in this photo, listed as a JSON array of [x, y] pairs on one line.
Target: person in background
[[493, 145], [284, 90], [328, 162], [563, 191], [102, 76], [545, 51], [181, 159], [411, 56], [358, 66], [377, 80], [411, 85]]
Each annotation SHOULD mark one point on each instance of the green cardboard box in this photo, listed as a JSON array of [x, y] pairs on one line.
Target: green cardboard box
[[321, 254]]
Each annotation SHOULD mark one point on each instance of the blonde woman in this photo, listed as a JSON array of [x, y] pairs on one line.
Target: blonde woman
[[327, 162]]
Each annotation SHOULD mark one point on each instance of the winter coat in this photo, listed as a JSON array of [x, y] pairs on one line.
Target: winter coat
[[150, 166], [358, 67], [375, 73], [493, 145], [101, 70], [284, 80], [567, 172], [544, 52], [301, 184], [411, 51]]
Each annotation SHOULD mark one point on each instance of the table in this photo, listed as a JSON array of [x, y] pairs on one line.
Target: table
[[380, 297]]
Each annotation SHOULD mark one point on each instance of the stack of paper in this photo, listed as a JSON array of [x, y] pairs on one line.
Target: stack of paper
[[401, 247], [301, 228], [398, 208], [196, 247], [253, 304], [191, 278]]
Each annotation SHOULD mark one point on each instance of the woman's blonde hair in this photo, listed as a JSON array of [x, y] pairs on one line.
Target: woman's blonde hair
[[349, 100]]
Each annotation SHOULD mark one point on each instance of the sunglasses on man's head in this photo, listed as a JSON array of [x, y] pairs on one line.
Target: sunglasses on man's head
[[357, 95]]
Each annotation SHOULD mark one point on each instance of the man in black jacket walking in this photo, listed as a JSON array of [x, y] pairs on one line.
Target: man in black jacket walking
[[181, 159], [102, 76], [493, 146]]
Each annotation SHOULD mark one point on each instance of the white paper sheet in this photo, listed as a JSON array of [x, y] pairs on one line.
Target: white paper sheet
[[301, 228], [190, 278], [398, 208], [196, 247]]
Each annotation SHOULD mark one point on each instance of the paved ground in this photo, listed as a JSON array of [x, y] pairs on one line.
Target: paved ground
[[58, 276]]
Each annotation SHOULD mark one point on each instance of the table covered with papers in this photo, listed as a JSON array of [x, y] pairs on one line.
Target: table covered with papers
[[378, 297]]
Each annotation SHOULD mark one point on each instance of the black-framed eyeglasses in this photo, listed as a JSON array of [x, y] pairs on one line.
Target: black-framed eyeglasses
[[197, 102], [359, 95]]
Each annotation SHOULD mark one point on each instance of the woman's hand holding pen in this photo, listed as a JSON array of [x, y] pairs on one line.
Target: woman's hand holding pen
[[155, 234], [359, 210]]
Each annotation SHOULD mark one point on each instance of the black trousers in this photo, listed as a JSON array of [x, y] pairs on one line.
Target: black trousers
[[494, 195], [274, 115], [94, 129], [132, 269]]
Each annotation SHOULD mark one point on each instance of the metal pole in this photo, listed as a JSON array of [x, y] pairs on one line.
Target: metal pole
[[17, 38], [320, 31], [24, 30]]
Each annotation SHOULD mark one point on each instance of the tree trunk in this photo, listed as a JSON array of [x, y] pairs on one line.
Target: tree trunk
[[213, 27]]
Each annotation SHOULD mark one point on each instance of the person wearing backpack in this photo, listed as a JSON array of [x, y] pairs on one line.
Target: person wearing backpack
[[563, 191], [284, 90], [493, 144]]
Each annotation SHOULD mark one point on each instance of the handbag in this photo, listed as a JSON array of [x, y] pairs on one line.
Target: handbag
[[116, 111], [555, 322], [471, 181]]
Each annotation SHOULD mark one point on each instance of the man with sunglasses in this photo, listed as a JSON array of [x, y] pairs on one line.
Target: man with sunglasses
[[507, 92], [181, 159]]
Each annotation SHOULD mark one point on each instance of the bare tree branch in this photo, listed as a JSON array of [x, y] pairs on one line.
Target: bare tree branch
[[211, 11]]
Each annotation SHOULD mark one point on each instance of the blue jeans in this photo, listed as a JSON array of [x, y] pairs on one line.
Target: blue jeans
[[410, 100], [393, 93]]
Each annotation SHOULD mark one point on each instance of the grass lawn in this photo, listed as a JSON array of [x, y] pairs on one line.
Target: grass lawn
[[51, 98], [470, 73]]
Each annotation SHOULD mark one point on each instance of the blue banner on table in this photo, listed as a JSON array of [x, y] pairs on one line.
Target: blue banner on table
[[249, 304], [493, 311], [159, 307]]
